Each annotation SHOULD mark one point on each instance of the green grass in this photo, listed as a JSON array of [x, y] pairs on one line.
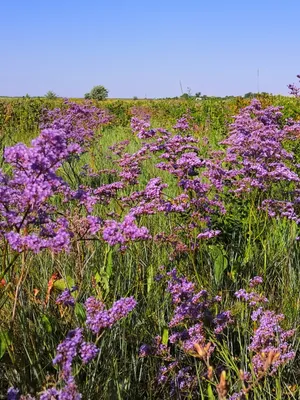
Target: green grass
[[251, 243]]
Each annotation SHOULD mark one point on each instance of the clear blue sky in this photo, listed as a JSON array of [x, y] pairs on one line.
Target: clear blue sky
[[138, 48]]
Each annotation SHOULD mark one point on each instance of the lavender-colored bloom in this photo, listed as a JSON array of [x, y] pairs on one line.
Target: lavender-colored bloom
[[122, 307], [182, 124], [208, 234], [256, 314], [242, 294], [195, 314], [269, 344], [195, 334], [88, 351], [69, 391], [98, 317], [112, 233], [50, 394], [255, 155], [294, 90], [27, 193], [179, 288], [67, 351], [164, 371], [282, 208], [123, 232], [145, 350], [257, 280], [252, 298], [13, 393], [221, 321], [142, 127], [185, 381], [105, 193], [237, 396], [66, 298]]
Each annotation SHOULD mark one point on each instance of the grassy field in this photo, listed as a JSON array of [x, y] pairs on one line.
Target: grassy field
[[217, 228]]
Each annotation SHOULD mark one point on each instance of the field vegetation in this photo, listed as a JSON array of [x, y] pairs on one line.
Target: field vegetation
[[150, 249]]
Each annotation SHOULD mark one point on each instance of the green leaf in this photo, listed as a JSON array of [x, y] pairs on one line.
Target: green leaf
[[62, 284], [80, 312], [46, 324], [109, 266], [210, 393], [102, 280], [97, 277], [165, 336], [220, 262], [149, 277], [5, 341]]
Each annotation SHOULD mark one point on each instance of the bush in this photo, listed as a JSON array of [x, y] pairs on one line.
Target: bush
[[97, 93], [51, 95]]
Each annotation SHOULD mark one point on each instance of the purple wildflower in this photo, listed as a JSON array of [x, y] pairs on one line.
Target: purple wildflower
[[98, 317], [50, 394], [13, 393], [67, 351], [123, 232], [88, 351], [66, 298], [269, 343], [257, 280]]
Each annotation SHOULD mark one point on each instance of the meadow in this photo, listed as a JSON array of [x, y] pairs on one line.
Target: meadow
[[150, 249]]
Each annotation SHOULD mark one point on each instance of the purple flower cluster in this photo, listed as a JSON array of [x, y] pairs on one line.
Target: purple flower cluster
[[70, 348], [99, 318], [182, 124], [253, 298], [74, 344], [13, 394], [123, 232], [194, 309], [257, 280], [142, 127], [88, 351], [254, 159], [157, 348], [130, 165], [148, 201], [68, 392], [269, 343], [282, 208], [255, 154], [66, 298], [194, 313], [200, 332], [294, 90], [67, 351], [29, 220]]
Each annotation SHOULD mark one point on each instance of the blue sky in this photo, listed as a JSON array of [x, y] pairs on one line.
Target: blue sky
[[145, 48]]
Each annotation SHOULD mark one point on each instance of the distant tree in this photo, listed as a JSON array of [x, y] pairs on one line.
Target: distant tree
[[198, 94], [97, 93], [249, 95], [185, 96], [135, 98], [51, 95]]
